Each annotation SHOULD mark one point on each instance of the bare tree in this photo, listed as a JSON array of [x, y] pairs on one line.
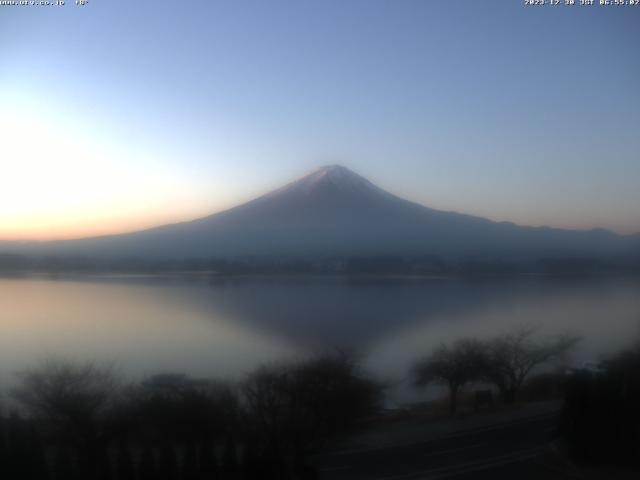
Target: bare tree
[[452, 366], [61, 390], [298, 406], [73, 400], [512, 357]]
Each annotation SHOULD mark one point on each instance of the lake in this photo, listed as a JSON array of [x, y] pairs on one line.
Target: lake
[[225, 327]]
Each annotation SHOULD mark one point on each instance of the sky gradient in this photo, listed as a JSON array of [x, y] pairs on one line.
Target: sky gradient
[[122, 115]]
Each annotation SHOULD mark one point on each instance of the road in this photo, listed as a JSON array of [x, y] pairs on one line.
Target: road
[[514, 450]]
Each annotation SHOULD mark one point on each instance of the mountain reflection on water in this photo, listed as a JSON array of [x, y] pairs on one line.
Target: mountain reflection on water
[[210, 326]]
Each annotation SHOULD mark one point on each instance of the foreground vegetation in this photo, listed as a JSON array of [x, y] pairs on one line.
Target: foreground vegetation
[[600, 421], [70, 421], [505, 362], [79, 422]]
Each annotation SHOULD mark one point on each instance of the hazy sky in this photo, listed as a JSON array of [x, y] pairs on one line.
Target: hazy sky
[[124, 114]]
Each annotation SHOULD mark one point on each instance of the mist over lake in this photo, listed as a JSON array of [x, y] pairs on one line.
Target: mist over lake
[[225, 327]]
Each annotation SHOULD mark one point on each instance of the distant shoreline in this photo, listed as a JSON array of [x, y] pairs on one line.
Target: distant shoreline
[[214, 277]]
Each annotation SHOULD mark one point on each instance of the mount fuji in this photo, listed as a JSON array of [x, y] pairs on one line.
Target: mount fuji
[[336, 212]]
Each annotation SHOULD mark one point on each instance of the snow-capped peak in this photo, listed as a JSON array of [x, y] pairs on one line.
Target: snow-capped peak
[[334, 176]]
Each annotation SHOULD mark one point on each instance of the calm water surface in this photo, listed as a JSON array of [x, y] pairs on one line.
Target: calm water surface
[[224, 328]]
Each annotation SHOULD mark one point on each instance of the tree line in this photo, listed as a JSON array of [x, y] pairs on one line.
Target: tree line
[[79, 422], [76, 421], [14, 263]]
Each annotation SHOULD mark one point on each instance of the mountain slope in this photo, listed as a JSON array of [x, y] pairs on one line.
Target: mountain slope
[[334, 211]]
